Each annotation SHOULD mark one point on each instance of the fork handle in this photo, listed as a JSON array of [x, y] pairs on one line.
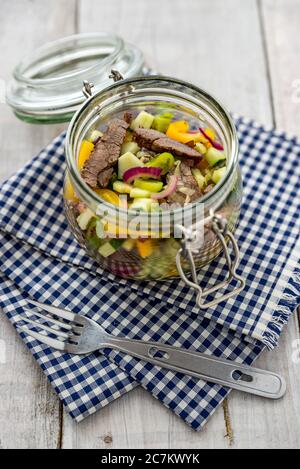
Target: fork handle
[[215, 370]]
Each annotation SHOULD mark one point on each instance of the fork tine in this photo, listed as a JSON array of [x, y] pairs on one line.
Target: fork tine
[[61, 313], [50, 319], [46, 328], [57, 344]]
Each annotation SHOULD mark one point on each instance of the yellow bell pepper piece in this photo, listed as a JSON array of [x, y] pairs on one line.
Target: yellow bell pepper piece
[[84, 152], [69, 192], [179, 131], [108, 196], [145, 248]]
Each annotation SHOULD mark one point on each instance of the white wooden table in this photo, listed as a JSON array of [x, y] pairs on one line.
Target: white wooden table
[[246, 52]]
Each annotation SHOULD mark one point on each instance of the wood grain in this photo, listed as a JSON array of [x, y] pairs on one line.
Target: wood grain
[[247, 54], [29, 410]]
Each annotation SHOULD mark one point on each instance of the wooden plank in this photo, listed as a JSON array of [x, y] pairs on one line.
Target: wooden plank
[[262, 423], [139, 421], [281, 28], [29, 411], [216, 45]]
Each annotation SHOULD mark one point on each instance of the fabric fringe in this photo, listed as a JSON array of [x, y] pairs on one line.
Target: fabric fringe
[[286, 306]]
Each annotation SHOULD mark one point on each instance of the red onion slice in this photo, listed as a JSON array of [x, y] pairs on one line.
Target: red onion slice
[[171, 187], [141, 172], [216, 145]]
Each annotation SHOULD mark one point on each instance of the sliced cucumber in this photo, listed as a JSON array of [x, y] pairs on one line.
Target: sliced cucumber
[[165, 161], [162, 122], [110, 247], [122, 187], [137, 193], [131, 147], [148, 185], [143, 120], [214, 156], [127, 161], [142, 204], [200, 179], [84, 218], [218, 174], [201, 148]]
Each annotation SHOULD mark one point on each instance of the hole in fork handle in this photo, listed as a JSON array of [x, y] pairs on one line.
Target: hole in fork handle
[[155, 352], [238, 375]]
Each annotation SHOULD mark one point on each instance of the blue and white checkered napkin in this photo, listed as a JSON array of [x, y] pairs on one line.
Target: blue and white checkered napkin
[[41, 259]]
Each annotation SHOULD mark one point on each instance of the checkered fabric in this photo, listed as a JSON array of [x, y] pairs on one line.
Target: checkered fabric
[[41, 259]]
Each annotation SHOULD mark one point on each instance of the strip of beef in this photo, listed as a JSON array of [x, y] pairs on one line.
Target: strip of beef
[[186, 180], [105, 176], [158, 141], [105, 154]]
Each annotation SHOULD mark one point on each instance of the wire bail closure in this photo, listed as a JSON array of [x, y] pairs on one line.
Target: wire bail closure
[[219, 227]]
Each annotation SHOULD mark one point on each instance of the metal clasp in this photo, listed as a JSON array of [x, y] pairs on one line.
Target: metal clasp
[[87, 85], [219, 227]]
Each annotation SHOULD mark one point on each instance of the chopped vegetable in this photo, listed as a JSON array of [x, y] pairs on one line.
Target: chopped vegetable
[[84, 152], [122, 187], [127, 161], [216, 145], [200, 179], [162, 122], [144, 204], [201, 148], [110, 247], [137, 193], [131, 147], [214, 156], [165, 161], [144, 120], [109, 196], [218, 174], [171, 187], [179, 130], [69, 191], [84, 218], [138, 172], [95, 136], [99, 229], [128, 244], [149, 185], [145, 247]]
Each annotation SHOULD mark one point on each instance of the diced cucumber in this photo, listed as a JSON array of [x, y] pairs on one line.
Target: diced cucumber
[[201, 148], [100, 229], [122, 187], [214, 156], [148, 185], [162, 122], [142, 204], [94, 242], [165, 161], [84, 218], [94, 135], [200, 179], [128, 244], [218, 174], [127, 161], [131, 147], [110, 247], [137, 193], [143, 120]]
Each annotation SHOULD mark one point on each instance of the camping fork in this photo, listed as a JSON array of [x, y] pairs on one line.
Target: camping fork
[[76, 334]]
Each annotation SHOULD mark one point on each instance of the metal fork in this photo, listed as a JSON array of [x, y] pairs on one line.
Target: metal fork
[[77, 334]]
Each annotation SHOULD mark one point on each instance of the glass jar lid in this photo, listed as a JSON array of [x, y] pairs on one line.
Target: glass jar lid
[[47, 85]]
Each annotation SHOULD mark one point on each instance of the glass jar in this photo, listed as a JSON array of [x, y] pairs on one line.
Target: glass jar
[[46, 85], [172, 256]]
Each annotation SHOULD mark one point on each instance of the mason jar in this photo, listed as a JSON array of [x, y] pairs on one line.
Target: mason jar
[[181, 252]]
